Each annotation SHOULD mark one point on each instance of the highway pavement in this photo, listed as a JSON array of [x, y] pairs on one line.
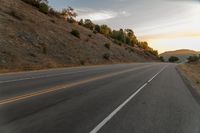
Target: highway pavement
[[119, 98]]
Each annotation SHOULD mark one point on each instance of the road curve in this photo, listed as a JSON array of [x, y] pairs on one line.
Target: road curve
[[121, 98]]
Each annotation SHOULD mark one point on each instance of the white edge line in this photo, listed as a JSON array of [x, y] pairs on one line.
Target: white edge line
[[101, 124], [156, 74]]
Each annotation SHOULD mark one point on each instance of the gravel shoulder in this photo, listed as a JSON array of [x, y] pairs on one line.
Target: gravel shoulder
[[191, 75]]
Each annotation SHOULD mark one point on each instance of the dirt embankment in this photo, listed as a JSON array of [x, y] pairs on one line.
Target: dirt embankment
[[32, 40]]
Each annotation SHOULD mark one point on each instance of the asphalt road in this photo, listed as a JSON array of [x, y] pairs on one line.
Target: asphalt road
[[122, 98]]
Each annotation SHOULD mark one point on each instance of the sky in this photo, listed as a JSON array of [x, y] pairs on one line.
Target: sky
[[165, 24]]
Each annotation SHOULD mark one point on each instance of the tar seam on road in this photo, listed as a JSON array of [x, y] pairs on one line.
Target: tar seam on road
[[101, 124], [62, 87]]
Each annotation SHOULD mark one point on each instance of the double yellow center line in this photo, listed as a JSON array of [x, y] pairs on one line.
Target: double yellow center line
[[65, 86]]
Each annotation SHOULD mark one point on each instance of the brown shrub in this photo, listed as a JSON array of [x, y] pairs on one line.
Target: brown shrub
[[107, 45], [106, 56]]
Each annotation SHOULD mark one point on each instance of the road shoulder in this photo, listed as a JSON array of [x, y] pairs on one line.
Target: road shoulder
[[190, 76]]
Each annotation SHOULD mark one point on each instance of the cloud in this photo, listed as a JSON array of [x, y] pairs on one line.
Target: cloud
[[125, 13], [185, 0], [100, 15], [172, 36], [198, 1]]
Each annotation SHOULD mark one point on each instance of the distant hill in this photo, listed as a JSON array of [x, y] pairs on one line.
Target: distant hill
[[182, 54], [30, 39]]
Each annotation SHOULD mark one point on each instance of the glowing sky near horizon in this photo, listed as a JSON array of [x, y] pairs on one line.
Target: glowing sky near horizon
[[165, 24]]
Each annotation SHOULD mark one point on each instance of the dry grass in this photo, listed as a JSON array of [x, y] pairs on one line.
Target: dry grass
[[192, 73]]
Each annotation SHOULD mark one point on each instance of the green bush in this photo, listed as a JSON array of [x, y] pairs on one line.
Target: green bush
[[42, 5], [53, 21], [44, 8], [162, 59], [71, 20], [153, 52], [97, 28], [147, 53], [117, 42], [81, 22], [54, 13], [107, 45], [173, 59], [95, 32], [76, 33], [89, 24], [193, 58]]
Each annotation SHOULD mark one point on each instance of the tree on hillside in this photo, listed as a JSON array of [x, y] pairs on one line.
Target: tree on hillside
[[129, 32], [144, 45], [119, 35], [104, 29], [125, 36], [36, 2], [152, 51], [128, 40], [69, 14], [81, 22], [89, 24], [42, 5], [55, 13], [130, 37], [115, 35], [97, 28], [173, 59]]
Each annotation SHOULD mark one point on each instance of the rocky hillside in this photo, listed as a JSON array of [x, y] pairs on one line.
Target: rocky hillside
[[182, 54], [30, 39]]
